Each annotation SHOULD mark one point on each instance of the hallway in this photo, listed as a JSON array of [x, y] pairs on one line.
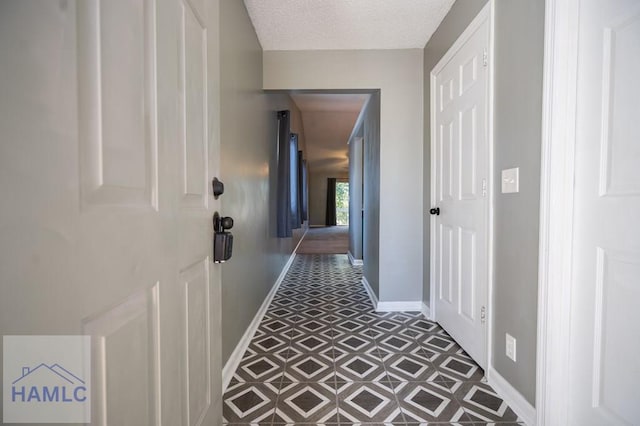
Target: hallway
[[325, 240], [322, 355]]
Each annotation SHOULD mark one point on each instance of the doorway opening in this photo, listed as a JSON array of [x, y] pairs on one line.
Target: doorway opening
[[342, 203]]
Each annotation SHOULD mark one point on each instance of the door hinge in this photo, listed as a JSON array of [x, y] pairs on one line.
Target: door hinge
[[485, 58], [483, 315], [484, 187]]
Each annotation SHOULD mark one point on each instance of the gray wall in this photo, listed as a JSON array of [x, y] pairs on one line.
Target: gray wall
[[457, 20], [248, 136], [355, 196], [318, 195], [371, 220], [519, 28], [398, 75]]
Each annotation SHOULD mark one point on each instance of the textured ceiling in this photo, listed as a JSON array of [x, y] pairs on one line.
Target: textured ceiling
[[345, 24], [328, 120]]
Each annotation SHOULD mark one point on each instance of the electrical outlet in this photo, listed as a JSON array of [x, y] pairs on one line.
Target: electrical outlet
[[511, 347]]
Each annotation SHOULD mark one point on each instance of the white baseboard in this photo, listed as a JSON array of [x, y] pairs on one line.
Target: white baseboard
[[353, 260], [234, 360], [512, 397], [408, 306], [426, 311], [372, 295], [389, 306], [293, 253]]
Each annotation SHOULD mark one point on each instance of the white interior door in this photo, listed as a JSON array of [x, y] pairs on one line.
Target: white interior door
[[460, 166], [605, 320], [108, 143]]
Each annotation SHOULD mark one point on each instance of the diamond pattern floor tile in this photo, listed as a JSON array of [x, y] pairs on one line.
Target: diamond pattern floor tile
[[458, 367], [353, 342], [309, 367], [257, 368], [424, 402], [439, 343], [250, 403], [368, 402], [361, 367], [313, 342], [270, 342], [482, 403], [323, 356], [307, 403], [397, 343], [409, 367]]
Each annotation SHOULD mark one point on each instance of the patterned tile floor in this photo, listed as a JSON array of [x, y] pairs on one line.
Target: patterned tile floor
[[322, 355]]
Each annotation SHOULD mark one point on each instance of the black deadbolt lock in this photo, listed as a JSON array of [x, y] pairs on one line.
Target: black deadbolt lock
[[218, 188], [435, 211]]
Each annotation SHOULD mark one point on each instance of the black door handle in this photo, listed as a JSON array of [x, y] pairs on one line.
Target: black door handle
[[222, 240], [435, 211], [221, 224]]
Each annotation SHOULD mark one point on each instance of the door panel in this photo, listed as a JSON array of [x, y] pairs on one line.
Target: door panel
[[605, 334], [446, 264], [117, 102], [445, 183], [461, 164], [467, 255], [106, 228], [193, 108], [196, 353], [126, 345], [468, 154]]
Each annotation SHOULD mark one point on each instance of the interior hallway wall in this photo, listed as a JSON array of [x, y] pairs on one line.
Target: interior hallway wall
[[356, 163], [519, 48], [248, 170], [399, 77], [371, 196]]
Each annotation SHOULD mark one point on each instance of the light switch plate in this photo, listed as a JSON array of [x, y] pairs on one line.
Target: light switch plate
[[510, 180], [511, 347]]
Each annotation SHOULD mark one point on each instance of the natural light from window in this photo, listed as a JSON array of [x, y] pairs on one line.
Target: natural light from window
[[342, 203]]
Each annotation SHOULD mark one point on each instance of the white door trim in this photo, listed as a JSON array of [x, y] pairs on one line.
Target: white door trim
[[556, 209], [486, 14], [490, 186]]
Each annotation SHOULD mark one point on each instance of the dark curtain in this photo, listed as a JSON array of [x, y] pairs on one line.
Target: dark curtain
[[301, 188], [283, 191], [331, 202], [294, 182], [305, 192]]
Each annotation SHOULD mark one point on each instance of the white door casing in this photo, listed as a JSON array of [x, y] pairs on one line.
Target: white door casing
[[460, 172], [588, 322], [109, 132]]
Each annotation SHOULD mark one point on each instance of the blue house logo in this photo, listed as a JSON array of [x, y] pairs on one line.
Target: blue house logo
[[46, 379], [48, 383]]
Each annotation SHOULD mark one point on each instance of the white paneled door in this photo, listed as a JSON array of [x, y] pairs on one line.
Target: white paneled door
[[460, 168], [605, 324], [108, 129]]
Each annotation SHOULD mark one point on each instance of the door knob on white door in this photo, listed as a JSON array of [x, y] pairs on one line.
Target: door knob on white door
[[222, 240]]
